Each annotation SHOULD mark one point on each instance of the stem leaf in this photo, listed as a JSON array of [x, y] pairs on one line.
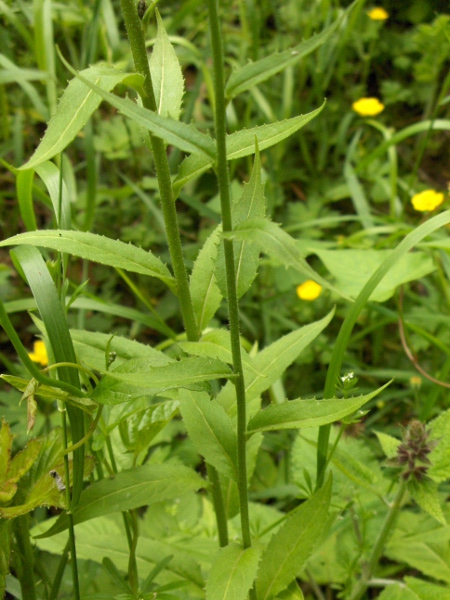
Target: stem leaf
[[233, 573]]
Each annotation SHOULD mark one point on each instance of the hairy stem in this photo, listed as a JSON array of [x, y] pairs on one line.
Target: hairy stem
[[362, 585], [233, 308]]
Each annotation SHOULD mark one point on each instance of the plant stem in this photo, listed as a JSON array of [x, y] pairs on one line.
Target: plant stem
[[72, 545], [233, 308], [362, 585], [25, 562], [137, 43], [219, 508]]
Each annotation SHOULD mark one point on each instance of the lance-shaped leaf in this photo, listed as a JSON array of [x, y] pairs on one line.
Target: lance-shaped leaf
[[74, 109], [278, 244], [246, 255], [254, 73], [97, 248], [242, 143], [273, 361], [185, 137], [130, 489], [57, 189], [292, 544], [167, 78], [212, 432], [232, 573], [139, 377], [205, 294], [308, 413]]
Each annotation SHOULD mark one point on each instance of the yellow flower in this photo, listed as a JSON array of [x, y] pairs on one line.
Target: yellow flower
[[427, 200], [378, 14], [368, 107], [415, 381], [39, 353], [310, 290]]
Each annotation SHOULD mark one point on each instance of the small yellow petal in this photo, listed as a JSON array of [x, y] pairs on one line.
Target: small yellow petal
[[310, 290], [39, 353], [427, 200], [368, 107], [378, 14]]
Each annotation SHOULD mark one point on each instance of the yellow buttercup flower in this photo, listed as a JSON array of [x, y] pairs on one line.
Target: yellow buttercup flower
[[39, 353], [378, 14], [310, 290], [427, 200], [368, 107]]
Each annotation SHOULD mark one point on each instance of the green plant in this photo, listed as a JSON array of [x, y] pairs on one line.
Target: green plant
[[238, 437]]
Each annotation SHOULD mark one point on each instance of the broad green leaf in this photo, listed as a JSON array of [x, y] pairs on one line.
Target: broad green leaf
[[274, 241], [398, 591], [94, 542], [185, 137], [97, 248], [242, 143], [388, 443], [139, 429], [130, 489], [167, 78], [273, 361], [205, 294], [217, 344], [246, 255], [425, 493], [74, 109], [440, 457], [91, 349], [353, 268], [232, 573], [295, 414], [291, 545], [212, 432], [426, 590], [59, 195], [422, 543], [139, 377], [254, 73]]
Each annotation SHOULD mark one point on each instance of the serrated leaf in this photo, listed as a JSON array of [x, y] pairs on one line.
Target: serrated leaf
[[426, 590], [212, 432], [74, 109], [205, 294], [440, 457], [291, 545], [232, 573], [90, 246], [217, 344], [242, 143], [310, 412], [272, 240], [426, 495], [246, 255], [91, 348], [138, 377], [167, 78], [254, 73], [185, 137], [130, 489], [273, 361], [388, 444]]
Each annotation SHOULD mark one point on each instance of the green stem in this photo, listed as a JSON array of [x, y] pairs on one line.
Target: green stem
[[53, 595], [25, 562], [233, 308], [362, 585], [137, 43], [72, 545], [219, 508]]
